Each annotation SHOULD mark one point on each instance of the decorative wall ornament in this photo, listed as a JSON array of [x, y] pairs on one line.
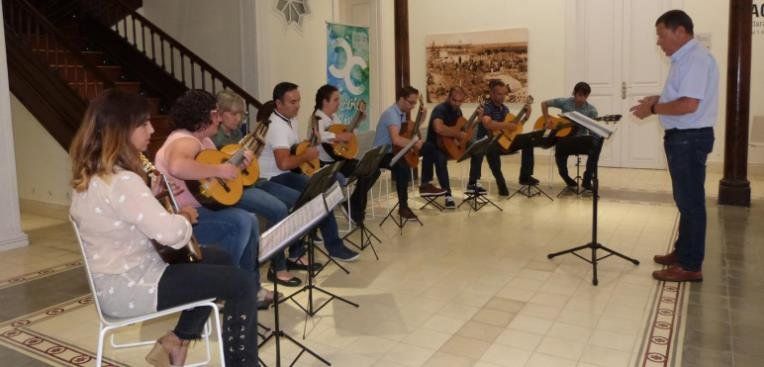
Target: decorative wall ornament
[[293, 10]]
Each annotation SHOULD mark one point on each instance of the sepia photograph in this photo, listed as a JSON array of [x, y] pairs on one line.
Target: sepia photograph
[[472, 59]]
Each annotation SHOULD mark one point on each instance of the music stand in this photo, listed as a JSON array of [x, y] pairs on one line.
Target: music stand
[[593, 245], [400, 221], [476, 200], [319, 183], [366, 168], [274, 240], [531, 139]]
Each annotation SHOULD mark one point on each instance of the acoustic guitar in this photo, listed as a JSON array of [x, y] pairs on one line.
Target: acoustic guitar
[[454, 147], [214, 192], [341, 150], [408, 130], [191, 252], [562, 127], [254, 141], [505, 136], [309, 167]]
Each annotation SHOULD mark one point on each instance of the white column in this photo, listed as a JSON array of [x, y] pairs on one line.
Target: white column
[[11, 235]]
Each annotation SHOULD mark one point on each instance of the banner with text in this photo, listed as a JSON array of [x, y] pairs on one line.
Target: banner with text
[[347, 68]]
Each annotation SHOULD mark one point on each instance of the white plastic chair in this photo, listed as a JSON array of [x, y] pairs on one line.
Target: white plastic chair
[[107, 323]]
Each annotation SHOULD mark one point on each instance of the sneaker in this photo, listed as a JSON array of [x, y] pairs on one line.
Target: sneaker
[[475, 188], [569, 182], [406, 213], [530, 180], [450, 203], [587, 185], [344, 254], [429, 189]]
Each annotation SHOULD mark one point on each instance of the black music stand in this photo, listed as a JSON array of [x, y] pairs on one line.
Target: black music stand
[[319, 183], [476, 200], [274, 241], [593, 245], [532, 139], [367, 167], [400, 221]]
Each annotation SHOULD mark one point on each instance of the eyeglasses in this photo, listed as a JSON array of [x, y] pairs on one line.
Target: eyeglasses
[[411, 102]]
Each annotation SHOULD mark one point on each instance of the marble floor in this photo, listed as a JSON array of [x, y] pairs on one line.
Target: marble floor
[[465, 289]]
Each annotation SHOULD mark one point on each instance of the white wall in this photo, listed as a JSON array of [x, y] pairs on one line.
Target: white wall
[[43, 167]]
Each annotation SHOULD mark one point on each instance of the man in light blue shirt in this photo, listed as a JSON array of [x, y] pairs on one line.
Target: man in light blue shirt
[[688, 110], [388, 133]]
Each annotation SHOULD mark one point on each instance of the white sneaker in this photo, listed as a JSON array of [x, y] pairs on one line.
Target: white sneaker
[[450, 203]]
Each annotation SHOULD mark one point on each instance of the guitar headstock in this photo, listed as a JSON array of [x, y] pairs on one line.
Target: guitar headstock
[[361, 106], [529, 100]]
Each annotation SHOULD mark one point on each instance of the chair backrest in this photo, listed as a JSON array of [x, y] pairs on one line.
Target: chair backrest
[[365, 140], [87, 270]]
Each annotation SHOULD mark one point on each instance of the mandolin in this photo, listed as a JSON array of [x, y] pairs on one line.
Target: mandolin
[[454, 147], [254, 141], [408, 130], [309, 167], [562, 127], [340, 150], [191, 252], [505, 136]]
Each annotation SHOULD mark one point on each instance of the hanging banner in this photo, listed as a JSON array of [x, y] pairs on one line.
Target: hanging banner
[[347, 68]]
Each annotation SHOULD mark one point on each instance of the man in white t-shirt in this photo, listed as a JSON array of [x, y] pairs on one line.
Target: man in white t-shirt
[[277, 162]]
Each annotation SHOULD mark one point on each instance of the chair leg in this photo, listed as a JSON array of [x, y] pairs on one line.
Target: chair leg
[[99, 351]]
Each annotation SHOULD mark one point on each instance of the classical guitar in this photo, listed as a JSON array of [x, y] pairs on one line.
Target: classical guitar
[[214, 192], [254, 141], [505, 136], [191, 252], [340, 150], [309, 167], [408, 130], [562, 127], [455, 147]]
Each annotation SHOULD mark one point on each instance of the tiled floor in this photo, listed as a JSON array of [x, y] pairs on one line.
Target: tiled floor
[[468, 289]]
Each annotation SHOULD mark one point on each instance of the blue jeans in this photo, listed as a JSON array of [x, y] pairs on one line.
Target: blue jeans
[[433, 156], [328, 227], [233, 230], [272, 201], [686, 153]]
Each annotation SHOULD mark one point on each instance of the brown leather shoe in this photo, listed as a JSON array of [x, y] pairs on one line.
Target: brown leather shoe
[[429, 189], [406, 213], [676, 273], [668, 259]]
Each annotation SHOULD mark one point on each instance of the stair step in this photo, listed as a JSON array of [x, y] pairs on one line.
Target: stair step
[[154, 105], [162, 128], [96, 57], [113, 72], [87, 91], [130, 87]]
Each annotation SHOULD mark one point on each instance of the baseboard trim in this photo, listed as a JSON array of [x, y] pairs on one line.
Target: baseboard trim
[[20, 240], [57, 211]]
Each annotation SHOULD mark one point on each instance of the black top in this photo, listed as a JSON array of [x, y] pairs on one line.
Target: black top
[[445, 112]]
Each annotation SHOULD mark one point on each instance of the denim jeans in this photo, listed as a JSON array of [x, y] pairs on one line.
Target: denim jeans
[[433, 156], [233, 230], [273, 201], [686, 153], [214, 277], [328, 227]]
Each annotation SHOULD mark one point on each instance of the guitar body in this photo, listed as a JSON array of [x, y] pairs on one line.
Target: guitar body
[[214, 192], [309, 167], [557, 122], [506, 135], [455, 147], [190, 253], [412, 156], [249, 175], [342, 150]]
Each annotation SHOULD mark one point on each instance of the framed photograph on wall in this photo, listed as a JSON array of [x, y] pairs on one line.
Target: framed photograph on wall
[[472, 59]]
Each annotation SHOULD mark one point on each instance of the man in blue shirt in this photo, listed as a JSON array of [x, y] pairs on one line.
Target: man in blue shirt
[[388, 133], [687, 108], [494, 113], [581, 141]]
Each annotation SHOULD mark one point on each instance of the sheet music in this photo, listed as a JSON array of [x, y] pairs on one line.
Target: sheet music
[[403, 151], [596, 128], [291, 227], [334, 196]]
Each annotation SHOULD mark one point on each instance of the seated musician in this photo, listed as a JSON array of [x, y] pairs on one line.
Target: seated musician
[[581, 141], [196, 119], [388, 133], [276, 163], [442, 119], [494, 113], [264, 198], [327, 105], [118, 215]]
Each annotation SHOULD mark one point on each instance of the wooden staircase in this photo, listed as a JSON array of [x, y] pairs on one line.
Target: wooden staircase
[[57, 68]]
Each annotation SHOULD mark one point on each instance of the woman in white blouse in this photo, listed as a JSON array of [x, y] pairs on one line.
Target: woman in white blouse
[[118, 218]]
